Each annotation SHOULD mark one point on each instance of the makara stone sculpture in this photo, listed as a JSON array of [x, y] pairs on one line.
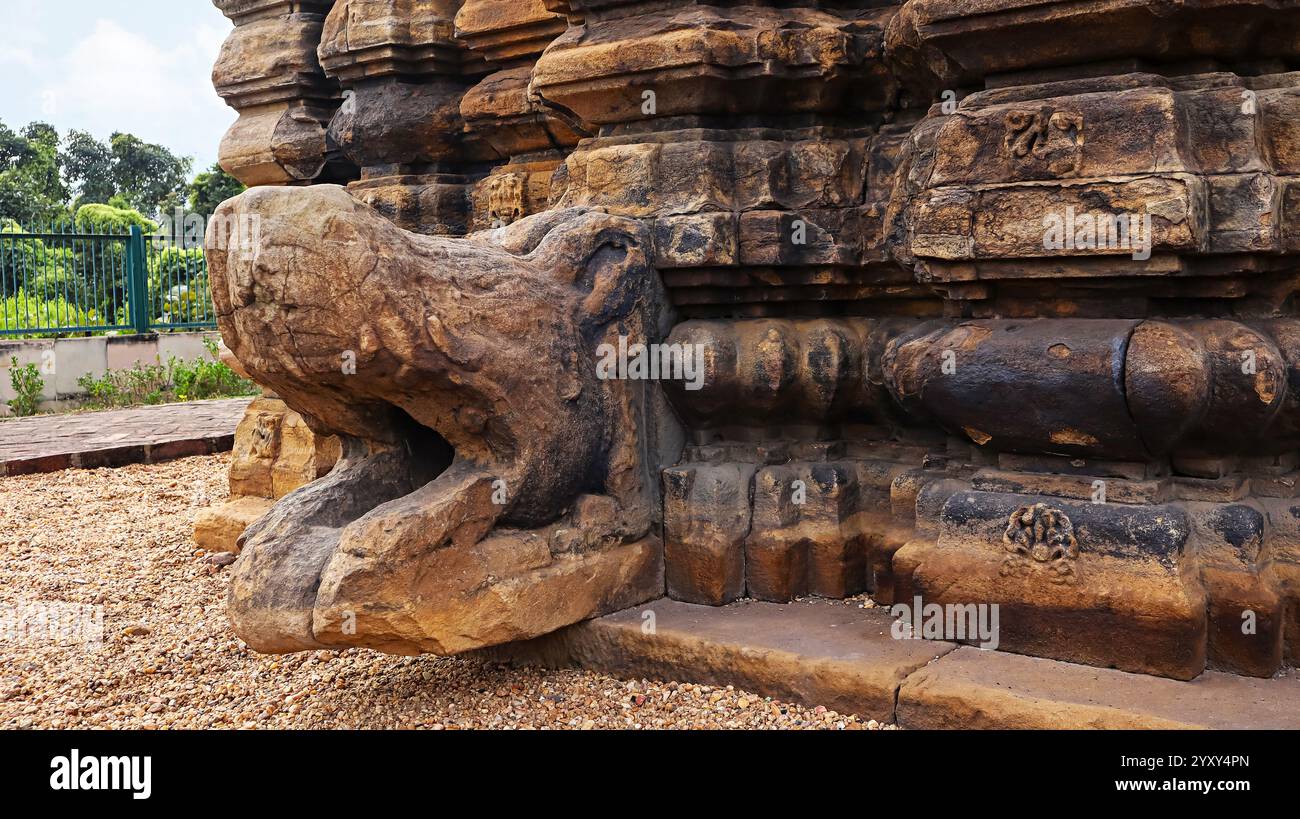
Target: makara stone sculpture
[[609, 300]]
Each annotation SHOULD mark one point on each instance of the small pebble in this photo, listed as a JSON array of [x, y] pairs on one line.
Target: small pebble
[[169, 659]]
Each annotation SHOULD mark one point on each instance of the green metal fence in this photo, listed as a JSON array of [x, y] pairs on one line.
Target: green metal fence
[[71, 279]]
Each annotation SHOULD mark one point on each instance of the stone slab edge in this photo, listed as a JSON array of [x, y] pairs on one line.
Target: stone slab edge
[[935, 686], [123, 455], [692, 643]]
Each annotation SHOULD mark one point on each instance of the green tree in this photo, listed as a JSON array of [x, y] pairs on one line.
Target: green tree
[[31, 183], [149, 177], [88, 166], [40, 173], [210, 188]]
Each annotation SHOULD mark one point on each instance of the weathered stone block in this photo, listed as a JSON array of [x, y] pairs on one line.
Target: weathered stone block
[[369, 38], [268, 71], [1089, 583], [807, 534], [508, 31], [218, 528], [706, 521], [275, 453], [435, 476], [994, 304], [709, 59]]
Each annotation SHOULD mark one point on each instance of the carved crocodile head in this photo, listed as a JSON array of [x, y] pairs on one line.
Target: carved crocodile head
[[492, 486]]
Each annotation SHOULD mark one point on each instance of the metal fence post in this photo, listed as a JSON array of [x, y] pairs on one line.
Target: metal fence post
[[138, 278]]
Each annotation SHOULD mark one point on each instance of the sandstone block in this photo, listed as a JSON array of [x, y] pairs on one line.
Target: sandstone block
[[477, 503], [969, 689], [706, 521], [218, 528]]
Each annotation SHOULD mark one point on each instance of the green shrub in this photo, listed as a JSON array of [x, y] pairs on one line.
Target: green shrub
[[178, 282], [51, 283], [45, 269], [23, 311], [208, 378], [142, 384], [177, 262], [111, 219], [159, 383], [28, 386]]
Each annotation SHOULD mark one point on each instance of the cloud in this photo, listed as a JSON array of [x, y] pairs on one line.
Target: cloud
[[117, 80], [116, 70], [209, 39], [15, 55], [21, 44]]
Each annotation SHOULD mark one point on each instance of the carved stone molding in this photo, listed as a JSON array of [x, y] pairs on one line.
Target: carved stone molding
[[1040, 537]]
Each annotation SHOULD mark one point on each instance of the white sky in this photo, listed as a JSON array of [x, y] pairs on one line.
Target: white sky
[[141, 66]]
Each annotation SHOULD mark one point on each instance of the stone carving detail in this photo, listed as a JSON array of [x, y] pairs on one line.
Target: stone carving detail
[[275, 453], [1039, 536], [268, 72], [266, 438], [490, 488], [844, 208], [1045, 135]]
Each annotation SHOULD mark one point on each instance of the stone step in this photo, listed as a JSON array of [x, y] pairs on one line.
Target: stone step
[[844, 657], [831, 653], [1170, 589], [969, 688]]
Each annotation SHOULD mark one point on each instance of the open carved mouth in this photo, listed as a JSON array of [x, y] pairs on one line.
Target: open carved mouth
[[430, 454], [288, 553], [491, 487]]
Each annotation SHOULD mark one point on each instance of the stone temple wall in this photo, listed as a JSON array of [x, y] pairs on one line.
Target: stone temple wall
[[994, 302]]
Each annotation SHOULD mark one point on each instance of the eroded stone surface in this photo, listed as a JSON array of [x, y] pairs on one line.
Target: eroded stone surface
[[269, 72], [274, 454], [839, 656], [971, 689], [218, 528], [994, 305], [461, 460]]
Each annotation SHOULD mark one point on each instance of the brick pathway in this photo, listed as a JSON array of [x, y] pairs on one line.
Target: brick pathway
[[89, 440]]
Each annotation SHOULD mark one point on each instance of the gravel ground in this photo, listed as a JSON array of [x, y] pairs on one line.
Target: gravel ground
[[120, 539]]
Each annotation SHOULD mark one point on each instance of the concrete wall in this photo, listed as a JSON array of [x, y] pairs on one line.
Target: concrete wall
[[63, 361]]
